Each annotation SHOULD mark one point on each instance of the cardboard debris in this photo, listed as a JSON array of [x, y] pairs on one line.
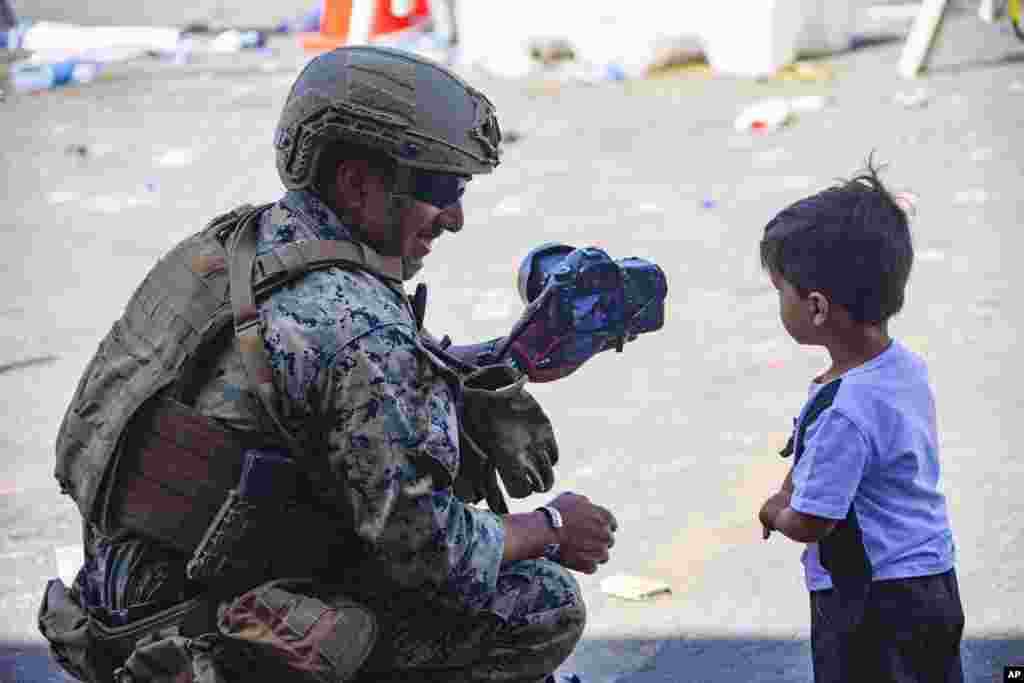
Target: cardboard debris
[[634, 587]]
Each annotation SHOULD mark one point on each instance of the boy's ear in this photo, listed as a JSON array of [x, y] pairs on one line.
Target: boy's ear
[[818, 306]]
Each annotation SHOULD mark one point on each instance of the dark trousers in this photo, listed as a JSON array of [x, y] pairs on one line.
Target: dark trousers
[[901, 631]]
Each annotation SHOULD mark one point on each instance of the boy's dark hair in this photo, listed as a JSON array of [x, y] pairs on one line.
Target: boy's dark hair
[[850, 242]]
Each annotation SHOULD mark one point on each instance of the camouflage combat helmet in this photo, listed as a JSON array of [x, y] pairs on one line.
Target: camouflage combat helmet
[[411, 109]]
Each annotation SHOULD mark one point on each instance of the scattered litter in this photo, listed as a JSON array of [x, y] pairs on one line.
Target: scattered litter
[[634, 587], [29, 77], [176, 158], [549, 50], [708, 203], [764, 116], [47, 35], [916, 99], [973, 196], [69, 560], [183, 52], [511, 137], [234, 41], [76, 150], [62, 197], [307, 23], [806, 72], [151, 186]]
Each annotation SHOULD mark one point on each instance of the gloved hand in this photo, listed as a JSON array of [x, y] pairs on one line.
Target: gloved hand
[[506, 422]]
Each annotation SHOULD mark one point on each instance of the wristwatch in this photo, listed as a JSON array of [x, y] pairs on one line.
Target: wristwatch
[[553, 515], [555, 520]]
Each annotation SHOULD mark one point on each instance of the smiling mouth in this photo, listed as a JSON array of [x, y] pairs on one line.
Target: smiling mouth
[[432, 232]]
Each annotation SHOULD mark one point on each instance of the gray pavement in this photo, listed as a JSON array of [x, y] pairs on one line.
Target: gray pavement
[[677, 434]]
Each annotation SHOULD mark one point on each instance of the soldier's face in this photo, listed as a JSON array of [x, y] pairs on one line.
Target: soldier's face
[[420, 224]]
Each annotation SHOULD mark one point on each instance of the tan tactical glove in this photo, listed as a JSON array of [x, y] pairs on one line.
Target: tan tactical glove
[[505, 422]]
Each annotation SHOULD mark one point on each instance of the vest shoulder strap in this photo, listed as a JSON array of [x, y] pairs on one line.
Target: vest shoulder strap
[[252, 275]]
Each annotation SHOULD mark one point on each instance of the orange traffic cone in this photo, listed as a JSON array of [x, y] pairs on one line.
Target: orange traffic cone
[[356, 22], [335, 19], [388, 18]]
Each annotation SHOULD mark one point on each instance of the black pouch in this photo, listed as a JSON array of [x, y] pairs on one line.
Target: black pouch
[[91, 651], [65, 625]]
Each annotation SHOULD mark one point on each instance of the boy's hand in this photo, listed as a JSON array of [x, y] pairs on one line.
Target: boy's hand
[[771, 509]]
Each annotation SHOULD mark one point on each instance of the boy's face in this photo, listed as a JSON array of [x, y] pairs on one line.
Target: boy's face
[[801, 316]]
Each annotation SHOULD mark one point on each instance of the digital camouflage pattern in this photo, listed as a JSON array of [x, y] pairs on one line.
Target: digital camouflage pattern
[[346, 360]]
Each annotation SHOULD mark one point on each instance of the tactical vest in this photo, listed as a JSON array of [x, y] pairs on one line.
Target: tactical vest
[[132, 451]]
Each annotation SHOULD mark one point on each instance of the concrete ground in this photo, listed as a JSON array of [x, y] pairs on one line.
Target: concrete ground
[[677, 434]]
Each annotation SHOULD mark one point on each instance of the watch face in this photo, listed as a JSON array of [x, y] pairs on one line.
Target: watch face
[[553, 515]]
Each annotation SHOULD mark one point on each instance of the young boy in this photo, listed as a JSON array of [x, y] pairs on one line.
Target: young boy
[[863, 490]]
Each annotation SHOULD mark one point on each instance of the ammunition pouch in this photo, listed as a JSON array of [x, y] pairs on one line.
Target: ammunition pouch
[[176, 480], [283, 629], [93, 652], [292, 630]]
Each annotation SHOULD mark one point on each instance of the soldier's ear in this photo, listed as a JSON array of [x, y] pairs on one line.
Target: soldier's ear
[[350, 183]]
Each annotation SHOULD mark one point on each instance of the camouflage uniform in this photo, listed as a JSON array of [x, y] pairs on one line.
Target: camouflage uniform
[[343, 352]]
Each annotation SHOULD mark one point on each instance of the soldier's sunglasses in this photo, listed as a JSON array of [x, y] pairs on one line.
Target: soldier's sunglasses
[[438, 189]]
